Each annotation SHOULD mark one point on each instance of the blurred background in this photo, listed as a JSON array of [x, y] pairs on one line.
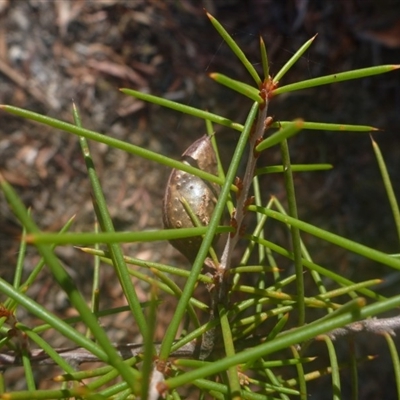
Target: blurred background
[[53, 53]]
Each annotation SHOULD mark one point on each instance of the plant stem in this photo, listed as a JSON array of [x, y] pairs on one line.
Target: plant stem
[[296, 241]]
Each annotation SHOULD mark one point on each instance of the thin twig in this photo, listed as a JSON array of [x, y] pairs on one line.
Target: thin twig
[[244, 192], [372, 325], [78, 355]]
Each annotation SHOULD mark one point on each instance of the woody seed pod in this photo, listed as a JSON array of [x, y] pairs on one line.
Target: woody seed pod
[[200, 195]]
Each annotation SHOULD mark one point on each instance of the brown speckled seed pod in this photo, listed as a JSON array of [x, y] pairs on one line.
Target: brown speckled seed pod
[[201, 195]]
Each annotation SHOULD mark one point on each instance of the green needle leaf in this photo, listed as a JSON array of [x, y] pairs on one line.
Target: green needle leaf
[[289, 130], [119, 237], [333, 238], [118, 144], [295, 168], [327, 127], [293, 59], [183, 108], [388, 186], [339, 77], [264, 58], [243, 88], [236, 49]]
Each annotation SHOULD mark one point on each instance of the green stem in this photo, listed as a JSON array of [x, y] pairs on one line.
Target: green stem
[[208, 238], [106, 224], [296, 240]]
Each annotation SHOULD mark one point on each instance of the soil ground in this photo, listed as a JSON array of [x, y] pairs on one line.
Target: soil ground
[[53, 52]]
